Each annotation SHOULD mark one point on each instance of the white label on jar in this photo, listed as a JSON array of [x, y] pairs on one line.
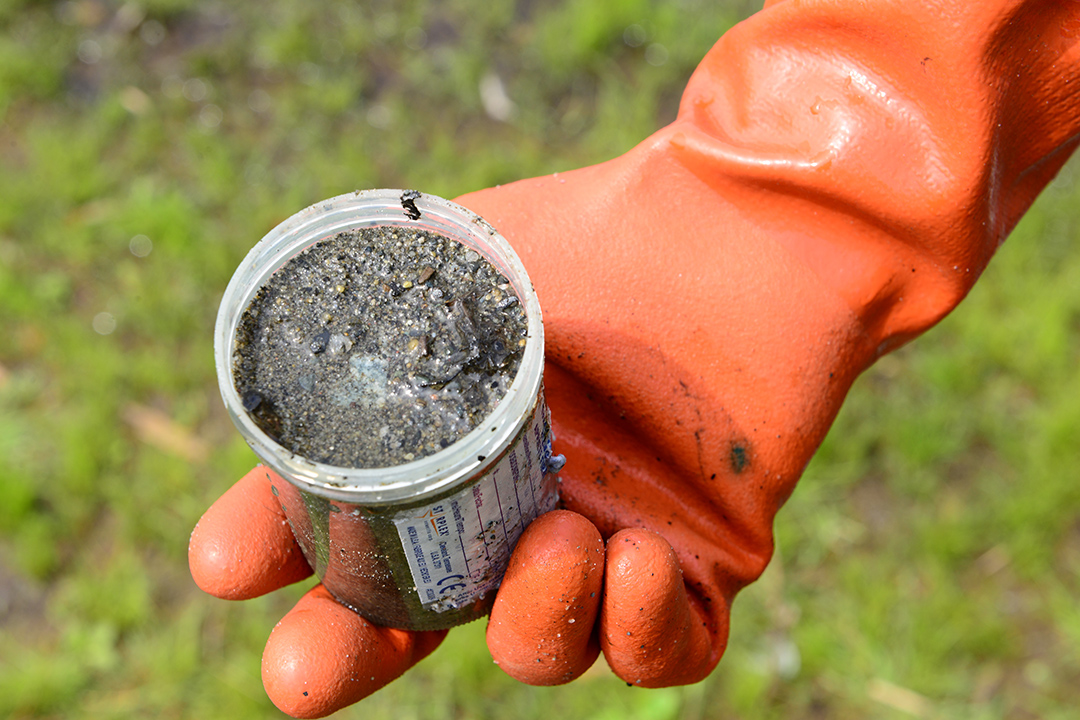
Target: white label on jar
[[459, 547]]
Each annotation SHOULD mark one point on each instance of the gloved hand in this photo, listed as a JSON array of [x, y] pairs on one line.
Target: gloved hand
[[839, 174]]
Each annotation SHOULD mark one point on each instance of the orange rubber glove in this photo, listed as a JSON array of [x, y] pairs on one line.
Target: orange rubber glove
[[839, 174]]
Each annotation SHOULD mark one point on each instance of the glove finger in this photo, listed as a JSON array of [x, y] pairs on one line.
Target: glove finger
[[541, 630], [242, 546], [322, 656], [651, 634]]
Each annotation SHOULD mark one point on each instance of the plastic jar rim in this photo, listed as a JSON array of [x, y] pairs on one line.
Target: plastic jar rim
[[427, 476]]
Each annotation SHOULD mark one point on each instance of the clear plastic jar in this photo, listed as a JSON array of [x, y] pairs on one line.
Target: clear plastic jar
[[421, 545]]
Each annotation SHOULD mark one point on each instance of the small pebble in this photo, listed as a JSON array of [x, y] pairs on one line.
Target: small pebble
[[338, 344], [318, 343]]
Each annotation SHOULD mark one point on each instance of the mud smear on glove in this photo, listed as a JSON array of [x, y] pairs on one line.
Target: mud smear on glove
[[378, 346]]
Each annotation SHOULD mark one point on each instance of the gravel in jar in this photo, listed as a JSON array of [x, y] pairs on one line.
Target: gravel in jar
[[378, 346]]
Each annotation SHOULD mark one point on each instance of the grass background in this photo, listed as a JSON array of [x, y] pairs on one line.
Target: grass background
[[928, 564]]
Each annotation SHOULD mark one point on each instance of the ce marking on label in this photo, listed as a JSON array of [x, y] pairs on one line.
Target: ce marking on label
[[458, 584]]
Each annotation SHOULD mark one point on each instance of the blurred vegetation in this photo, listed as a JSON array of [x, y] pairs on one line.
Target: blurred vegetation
[[928, 565]]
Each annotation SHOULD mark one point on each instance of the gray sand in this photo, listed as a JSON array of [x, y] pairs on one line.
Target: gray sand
[[378, 346]]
